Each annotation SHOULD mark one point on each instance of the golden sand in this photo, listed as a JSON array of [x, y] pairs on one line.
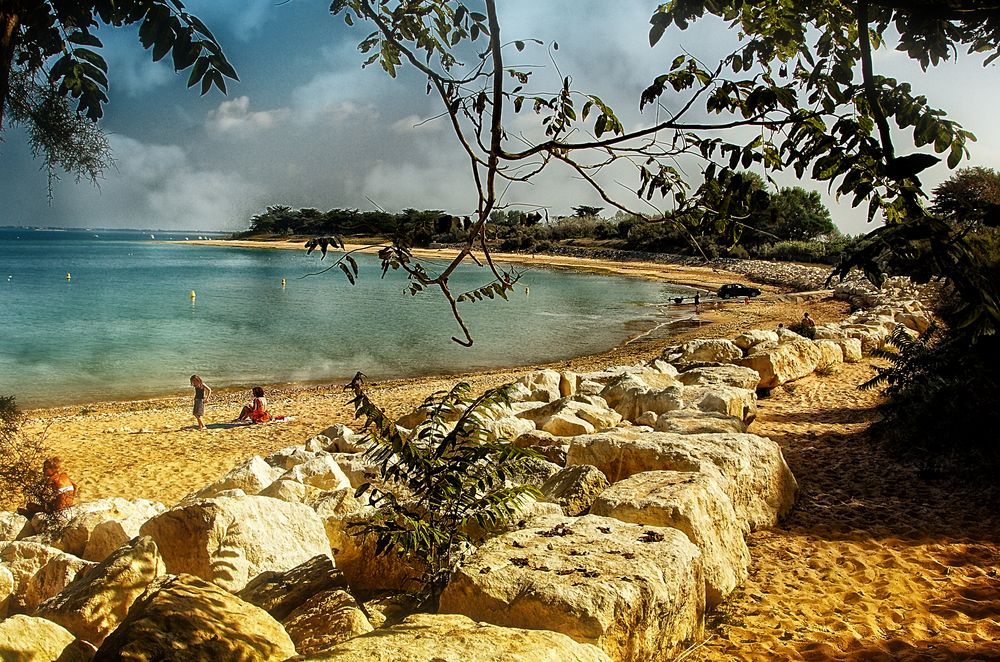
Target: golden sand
[[874, 563]]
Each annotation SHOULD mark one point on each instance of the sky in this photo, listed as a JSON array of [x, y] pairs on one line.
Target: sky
[[306, 126]]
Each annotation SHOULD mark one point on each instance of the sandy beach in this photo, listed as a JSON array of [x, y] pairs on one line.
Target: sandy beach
[[874, 563]]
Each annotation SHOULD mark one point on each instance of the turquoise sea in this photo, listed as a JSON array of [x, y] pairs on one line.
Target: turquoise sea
[[123, 325]]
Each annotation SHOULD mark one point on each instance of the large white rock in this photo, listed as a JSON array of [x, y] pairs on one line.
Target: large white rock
[[322, 471], [748, 339], [631, 397], [752, 469], [575, 488], [7, 587], [293, 491], [39, 572], [96, 602], [542, 385], [570, 416], [94, 529], [325, 620], [288, 457], [720, 375], [851, 348], [343, 439], [252, 475], [188, 618], [832, 353], [12, 526], [30, 639], [280, 593], [694, 503], [789, 360], [455, 638], [714, 350], [740, 403], [636, 592], [695, 421], [231, 540]]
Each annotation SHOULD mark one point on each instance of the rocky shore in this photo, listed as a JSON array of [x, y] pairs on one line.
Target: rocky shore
[[660, 482]]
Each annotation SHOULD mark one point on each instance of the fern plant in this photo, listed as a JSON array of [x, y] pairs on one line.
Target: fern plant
[[456, 471], [911, 361]]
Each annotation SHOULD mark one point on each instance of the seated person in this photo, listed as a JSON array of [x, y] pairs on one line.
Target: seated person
[[256, 412], [55, 492]]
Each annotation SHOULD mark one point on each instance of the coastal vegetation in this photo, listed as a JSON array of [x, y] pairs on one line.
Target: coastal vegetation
[[455, 467], [23, 453]]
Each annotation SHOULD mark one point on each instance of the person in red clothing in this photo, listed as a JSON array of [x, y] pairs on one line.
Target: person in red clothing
[[256, 412], [55, 493]]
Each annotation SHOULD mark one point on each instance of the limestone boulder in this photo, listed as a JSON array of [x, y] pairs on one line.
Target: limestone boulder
[[184, 617], [754, 337], [364, 570], [751, 469], [695, 504], [252, 475], [636, 592], [357, 468], [509, 427], [534, 472], [337, 510], [230, 541], [695, 421], [720, 375], [31, 639], [289, 457], [280, 593], [322, 472], [740, 403], [631, 397], [541, 386], [456, 638], [38, 571], [96, 601], [831, 353], [7, 587], [93, 529], [776, 365], [343, 439], [851, 347], [571, 416], [285, 489], [324, 620], [12, 526], [698, 351], [575, 488]]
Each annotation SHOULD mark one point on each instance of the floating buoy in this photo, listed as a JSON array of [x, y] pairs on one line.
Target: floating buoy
[[526, 291], [282, 283], [68, 277], [192, 295]]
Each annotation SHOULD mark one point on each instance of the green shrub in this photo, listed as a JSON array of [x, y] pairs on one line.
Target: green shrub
[[803, 328], [456, 469], [941, 399], [22, 453]]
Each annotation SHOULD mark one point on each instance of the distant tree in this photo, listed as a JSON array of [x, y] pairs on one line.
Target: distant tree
[[800, 214], [586, 210], [49, 53], [970, 196]]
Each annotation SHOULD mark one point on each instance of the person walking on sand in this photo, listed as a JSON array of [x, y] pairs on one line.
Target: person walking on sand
[[201, 393]]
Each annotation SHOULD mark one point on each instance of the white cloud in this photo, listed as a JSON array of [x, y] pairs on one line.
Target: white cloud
[[235, 117], [158, 186]]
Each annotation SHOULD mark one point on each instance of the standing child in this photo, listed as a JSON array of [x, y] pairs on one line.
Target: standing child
[[201, 392]]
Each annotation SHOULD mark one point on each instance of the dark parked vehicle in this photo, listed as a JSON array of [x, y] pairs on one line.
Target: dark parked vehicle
[[735, 290]]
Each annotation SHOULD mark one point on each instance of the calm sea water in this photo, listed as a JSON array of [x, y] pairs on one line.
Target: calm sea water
[[124, 325]]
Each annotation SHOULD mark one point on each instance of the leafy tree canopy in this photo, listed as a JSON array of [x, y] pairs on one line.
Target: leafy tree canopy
[[798, 93], [971, 196], [49, 53]]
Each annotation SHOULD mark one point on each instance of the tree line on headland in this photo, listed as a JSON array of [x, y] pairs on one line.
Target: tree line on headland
[[791, 224]]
